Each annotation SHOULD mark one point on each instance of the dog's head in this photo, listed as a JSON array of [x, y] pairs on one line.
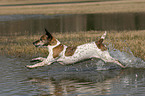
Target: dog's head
[[45, 40]]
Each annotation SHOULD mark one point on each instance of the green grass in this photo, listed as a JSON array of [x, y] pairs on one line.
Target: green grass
[[21, 46]]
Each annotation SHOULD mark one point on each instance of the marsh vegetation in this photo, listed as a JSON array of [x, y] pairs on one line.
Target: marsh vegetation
[[21, 46]]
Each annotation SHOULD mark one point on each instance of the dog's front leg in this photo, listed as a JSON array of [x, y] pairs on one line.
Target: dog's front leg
[[43, 63], [46, 61], [36, 65], [39, 58]]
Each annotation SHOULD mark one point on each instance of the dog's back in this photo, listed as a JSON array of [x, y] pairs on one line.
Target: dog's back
[[85, 51], [82, 52]]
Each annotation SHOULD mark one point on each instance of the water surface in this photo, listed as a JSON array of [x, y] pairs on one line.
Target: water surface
[[88, 78], [35, 24]]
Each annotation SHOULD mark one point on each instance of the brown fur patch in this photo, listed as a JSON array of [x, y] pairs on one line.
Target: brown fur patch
[[57, 50], [48, 41], [53, 41], [100, 45], [70, 51], [44, 37]]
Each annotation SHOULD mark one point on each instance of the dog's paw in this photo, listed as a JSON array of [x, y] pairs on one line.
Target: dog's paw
[[38, 58], [29, 66]]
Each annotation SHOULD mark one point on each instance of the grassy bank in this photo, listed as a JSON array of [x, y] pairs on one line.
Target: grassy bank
[[21, 46], [103, 6]]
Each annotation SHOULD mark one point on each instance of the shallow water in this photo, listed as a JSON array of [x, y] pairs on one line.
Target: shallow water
[[35, 24], [88, 78]]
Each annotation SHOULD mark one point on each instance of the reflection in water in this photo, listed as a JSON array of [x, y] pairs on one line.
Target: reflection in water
[[75, 83], [34, 24], [124, 82]]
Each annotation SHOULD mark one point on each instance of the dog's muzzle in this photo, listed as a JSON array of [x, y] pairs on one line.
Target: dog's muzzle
[[35, 44]]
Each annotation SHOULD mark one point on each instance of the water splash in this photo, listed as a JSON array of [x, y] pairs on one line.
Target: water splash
[[127, 58]]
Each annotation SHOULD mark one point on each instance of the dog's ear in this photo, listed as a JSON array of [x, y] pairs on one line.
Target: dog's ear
[[48, 34]]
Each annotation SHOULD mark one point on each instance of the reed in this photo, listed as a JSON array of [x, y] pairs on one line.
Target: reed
[[21, 46]]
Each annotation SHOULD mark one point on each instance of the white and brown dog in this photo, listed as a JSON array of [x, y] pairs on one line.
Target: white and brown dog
[[68, 55]]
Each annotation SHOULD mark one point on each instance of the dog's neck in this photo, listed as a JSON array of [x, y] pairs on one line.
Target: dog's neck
[[50, 47]]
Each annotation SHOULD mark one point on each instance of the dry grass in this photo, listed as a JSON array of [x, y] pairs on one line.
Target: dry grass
[[77, 8], [134, 40], [22, 46]]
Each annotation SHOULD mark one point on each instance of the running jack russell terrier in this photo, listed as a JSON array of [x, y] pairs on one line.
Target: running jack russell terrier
[[68, 55]]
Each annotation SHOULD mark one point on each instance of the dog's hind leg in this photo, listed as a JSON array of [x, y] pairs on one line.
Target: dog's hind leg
[[38, 58], [118, 63], [114, 61], [110, 59]]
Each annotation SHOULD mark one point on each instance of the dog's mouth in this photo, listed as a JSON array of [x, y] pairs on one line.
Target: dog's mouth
[[36, 45], [40, 44]]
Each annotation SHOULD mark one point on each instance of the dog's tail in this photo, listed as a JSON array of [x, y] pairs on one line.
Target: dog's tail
[[102, 38], [100, 44], [104, 35]]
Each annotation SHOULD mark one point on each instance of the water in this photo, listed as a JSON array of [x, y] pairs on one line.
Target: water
[[89, 78], [35, 24]]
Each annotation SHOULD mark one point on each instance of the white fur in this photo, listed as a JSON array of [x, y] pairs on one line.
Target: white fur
[[82, 52]]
